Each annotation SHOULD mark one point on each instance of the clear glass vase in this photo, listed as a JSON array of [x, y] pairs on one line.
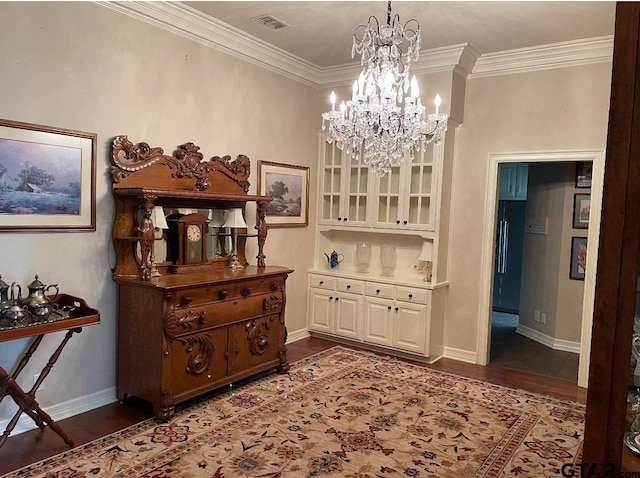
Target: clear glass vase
[[388, 260], [363, 257]]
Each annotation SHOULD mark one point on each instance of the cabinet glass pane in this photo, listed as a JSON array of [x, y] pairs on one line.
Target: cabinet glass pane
[[357, 208], [388, 209]]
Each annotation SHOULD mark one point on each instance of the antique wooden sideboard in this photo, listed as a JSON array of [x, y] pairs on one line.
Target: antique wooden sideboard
[[189, 323]]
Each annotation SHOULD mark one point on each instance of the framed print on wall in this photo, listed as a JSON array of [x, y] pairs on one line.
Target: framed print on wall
[[47, 178], [289, 187], [578, 262], [581, 210], [584, 173]]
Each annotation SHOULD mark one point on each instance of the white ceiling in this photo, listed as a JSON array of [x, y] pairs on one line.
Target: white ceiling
[[321, 32]]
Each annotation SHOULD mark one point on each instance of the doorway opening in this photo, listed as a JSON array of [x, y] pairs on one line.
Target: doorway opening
[[549, 330]]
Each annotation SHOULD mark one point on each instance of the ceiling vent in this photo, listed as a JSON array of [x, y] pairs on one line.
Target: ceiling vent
[[270, 21]]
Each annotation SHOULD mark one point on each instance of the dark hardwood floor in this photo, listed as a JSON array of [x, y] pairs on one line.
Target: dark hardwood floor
[[29, 447]]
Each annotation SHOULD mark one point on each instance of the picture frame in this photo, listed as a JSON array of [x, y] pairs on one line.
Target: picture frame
[[47, 178], [584, 174], [289, 187], [581, 210], [578, 262]]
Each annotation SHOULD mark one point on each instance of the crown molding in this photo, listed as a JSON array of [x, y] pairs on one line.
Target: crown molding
[[545, 57], [465, 60]]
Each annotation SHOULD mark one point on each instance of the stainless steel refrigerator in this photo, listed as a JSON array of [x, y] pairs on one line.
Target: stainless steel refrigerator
[[508, 256]]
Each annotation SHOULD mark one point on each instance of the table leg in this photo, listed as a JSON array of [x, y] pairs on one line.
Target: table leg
[[21, 365], [27, 401]]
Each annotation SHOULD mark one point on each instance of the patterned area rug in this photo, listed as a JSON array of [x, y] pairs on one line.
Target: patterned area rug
[[342, 413]]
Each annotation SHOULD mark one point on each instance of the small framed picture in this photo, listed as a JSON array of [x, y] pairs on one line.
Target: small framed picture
[[581, 210], [578, 263], [289, 186], [584, 171]]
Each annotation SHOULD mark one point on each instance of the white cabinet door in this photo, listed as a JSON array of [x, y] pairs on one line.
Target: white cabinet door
[[404, 196], [348, 315], [344, 188], [513, 181], [409, 326], [378, 323], [321, 306]]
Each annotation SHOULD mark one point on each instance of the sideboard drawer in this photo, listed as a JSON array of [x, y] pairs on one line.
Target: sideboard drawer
[[411, 294], [384, 291], [322, 282], [348, 285]]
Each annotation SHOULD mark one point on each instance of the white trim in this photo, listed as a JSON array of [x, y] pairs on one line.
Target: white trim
[[66, 409], [190, 23], [297, 335], [548, 340], [487, 258], [460, 355], [545, 57]]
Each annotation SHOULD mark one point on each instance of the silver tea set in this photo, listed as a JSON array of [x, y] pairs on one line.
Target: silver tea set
[[35, 307]]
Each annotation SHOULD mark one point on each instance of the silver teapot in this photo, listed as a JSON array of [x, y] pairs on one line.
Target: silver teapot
[[5, 302], [37, 302], [14, 312]]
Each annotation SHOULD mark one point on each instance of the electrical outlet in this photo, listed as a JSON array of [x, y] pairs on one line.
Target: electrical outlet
[[536, 315], [543, 317], [35, 379]]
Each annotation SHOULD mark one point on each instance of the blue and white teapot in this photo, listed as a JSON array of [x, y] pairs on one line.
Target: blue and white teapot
[[334, 259]]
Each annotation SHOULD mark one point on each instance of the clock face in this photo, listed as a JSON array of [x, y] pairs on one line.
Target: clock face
[[194, 233]]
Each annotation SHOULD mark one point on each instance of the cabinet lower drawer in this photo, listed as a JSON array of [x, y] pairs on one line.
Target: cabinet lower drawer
[[322, 282], [383, 291]]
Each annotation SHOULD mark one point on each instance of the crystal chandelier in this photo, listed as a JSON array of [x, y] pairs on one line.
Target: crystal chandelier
[[373, 121]]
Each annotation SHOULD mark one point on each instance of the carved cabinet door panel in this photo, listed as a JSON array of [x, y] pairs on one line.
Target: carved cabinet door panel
[[254, 342], [198, 359]]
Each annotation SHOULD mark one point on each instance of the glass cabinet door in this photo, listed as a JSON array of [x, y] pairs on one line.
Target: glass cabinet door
[[345, 188]]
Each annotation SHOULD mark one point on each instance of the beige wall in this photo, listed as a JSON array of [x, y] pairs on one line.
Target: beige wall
[[545, 279], [552, 110], [81, 66]]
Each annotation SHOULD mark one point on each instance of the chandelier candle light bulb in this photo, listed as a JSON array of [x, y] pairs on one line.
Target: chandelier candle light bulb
[[373, 124]]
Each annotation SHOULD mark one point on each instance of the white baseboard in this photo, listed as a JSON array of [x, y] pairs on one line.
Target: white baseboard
[[66, 409], [297, 335], [544, 339], [460, 355]]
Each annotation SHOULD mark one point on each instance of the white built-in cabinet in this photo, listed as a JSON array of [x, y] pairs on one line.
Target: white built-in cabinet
[[402, 312], [513, 181]]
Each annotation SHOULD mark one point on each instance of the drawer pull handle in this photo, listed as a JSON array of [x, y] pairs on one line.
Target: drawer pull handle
[[377, 291], [348, 286], [245, 292], [321, 282], [209, 376], [398, 221], [223, 294], [344, 219], [275, 286], [331, 297], [388, 307], [337, 299], [410, 296], [404, 222], [339, 218], [396, 309], [186, 300], [202, 319]]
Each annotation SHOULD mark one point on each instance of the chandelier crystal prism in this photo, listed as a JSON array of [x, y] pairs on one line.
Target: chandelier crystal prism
[[374, 125]]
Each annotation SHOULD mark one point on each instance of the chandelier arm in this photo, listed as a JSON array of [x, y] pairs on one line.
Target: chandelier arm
[[411, 29], [389, 13]]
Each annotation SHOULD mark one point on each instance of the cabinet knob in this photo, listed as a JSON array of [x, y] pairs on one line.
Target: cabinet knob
[[186, 300], [405, 222], [223, 294], [202, 319], [345, 219], [245, 292], [377, 291], [321, 282], [330, 297], [398, 221], [396, 309], [274, 286], [388, 307], [209, 376], [348, 286], [339, 218], [410, 296], [337, 299]]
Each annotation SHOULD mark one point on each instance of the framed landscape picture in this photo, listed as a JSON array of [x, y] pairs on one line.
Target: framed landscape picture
[[289, 187], [47, 178]]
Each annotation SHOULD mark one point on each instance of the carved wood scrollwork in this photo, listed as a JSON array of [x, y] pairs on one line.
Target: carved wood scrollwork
[[200, 348], [185, 321], [187, 161], [262, 228], [258, 334], [272, 303]]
